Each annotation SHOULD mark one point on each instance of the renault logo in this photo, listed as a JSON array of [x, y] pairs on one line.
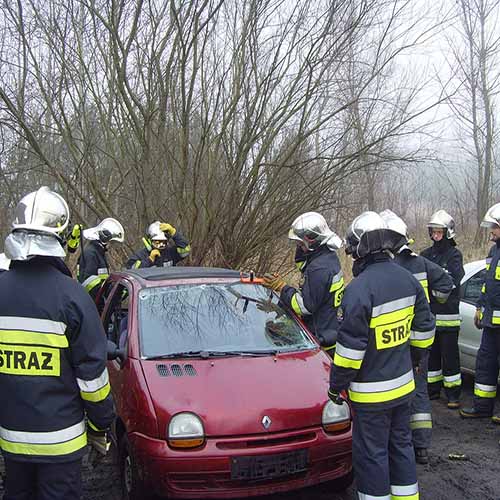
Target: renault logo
[[266, 422]]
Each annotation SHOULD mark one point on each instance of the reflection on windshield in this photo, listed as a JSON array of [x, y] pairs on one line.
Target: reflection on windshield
[[215, 317]]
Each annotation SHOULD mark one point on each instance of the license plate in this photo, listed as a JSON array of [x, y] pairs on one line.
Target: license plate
[[269, 466]]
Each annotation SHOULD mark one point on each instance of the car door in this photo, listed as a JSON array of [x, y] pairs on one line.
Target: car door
[[470, 337], [115, 322]]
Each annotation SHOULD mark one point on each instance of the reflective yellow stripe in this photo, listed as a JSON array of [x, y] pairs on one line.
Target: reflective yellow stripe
[[45, 449], [497, 273], [339, 360], [406, 492], [485, 391], [405, 497], [337, 289], [374, 392], [483, 289], [435, 376], [425, 286], [147, 244], [300, 264], [137, 264], [33, 338], [448, 320], [96, 396], [495, 320], [92, 282], [420, 425], [392, 317]]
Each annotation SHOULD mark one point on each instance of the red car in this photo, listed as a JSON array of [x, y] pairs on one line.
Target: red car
[[220, 391]]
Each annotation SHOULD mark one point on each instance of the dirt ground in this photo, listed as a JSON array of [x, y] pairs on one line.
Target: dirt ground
[[443, 479]]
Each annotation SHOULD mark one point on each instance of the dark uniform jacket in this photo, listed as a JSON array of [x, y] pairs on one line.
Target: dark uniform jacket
[[52, 363], [169, 256], [445, 254], [435, 281], [489, 300], [319, 297], [384, 312], [93, 267]]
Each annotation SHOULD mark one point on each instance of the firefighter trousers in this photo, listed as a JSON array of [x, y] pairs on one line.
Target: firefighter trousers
[[383, 456], [421, 416], [42, 481], [487, 365], [444, 365]]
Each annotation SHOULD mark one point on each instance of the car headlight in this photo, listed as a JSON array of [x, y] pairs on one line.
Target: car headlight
[[185, 430], [336, 417]]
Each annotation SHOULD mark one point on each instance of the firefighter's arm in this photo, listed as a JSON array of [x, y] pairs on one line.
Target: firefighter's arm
[[88, 351], [422, 327], [440, 282], [456, 268], [352, 339], [182, 246], [139, 260], [88, 265], [480, 300]]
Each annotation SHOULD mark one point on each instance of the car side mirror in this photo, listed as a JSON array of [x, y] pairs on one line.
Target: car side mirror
[[114, 352]]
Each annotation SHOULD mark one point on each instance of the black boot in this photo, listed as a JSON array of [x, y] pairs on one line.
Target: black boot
[[473, 413], [421, 456]]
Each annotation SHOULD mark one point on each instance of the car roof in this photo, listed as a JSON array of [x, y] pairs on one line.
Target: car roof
[[472, 268], [155, 274]]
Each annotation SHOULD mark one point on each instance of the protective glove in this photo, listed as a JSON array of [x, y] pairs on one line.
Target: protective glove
[[477, 319], [74, 238], [274, 282], [168, 229], [153, 254], [98, 440], [335, 397]]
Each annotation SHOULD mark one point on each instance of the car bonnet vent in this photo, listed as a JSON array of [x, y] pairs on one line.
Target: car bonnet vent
[[176, 370]]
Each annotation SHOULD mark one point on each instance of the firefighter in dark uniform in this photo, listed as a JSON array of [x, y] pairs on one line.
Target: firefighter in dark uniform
[[157, 252], [488, 318], [384, 312], [93, 267], [444, 360], [52, 360], [319, 297], [436, 282]]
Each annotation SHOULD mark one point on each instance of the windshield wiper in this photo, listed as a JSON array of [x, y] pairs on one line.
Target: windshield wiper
[[209, 354]]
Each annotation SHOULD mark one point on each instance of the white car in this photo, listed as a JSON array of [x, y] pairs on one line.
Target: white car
[[470, 337]]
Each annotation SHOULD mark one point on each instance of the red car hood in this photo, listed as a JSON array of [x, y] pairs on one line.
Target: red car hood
[[232, 395]]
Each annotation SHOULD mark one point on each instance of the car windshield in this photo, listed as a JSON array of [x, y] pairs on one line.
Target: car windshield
[[216, 319]]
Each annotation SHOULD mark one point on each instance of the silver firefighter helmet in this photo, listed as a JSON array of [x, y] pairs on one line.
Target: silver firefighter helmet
[[398, 226], [42, 211], [154, 233], [312, 230], [442, 220], [492, 217], [107, 230], [368, 234], [40, 222]]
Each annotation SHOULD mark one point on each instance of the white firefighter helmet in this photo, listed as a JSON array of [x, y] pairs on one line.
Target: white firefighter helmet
[[492, 217], [442, 220], [40, 222], [108, 229], [42, 211], [368, 234], [154, 232], [398, 226], [312, 230]]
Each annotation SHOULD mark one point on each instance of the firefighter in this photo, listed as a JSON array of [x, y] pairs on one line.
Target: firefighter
[[436, 282], [487, 317], [52, 359], [157, 252], [318, 299], [93, 268], [384, 311], [444, 359]]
